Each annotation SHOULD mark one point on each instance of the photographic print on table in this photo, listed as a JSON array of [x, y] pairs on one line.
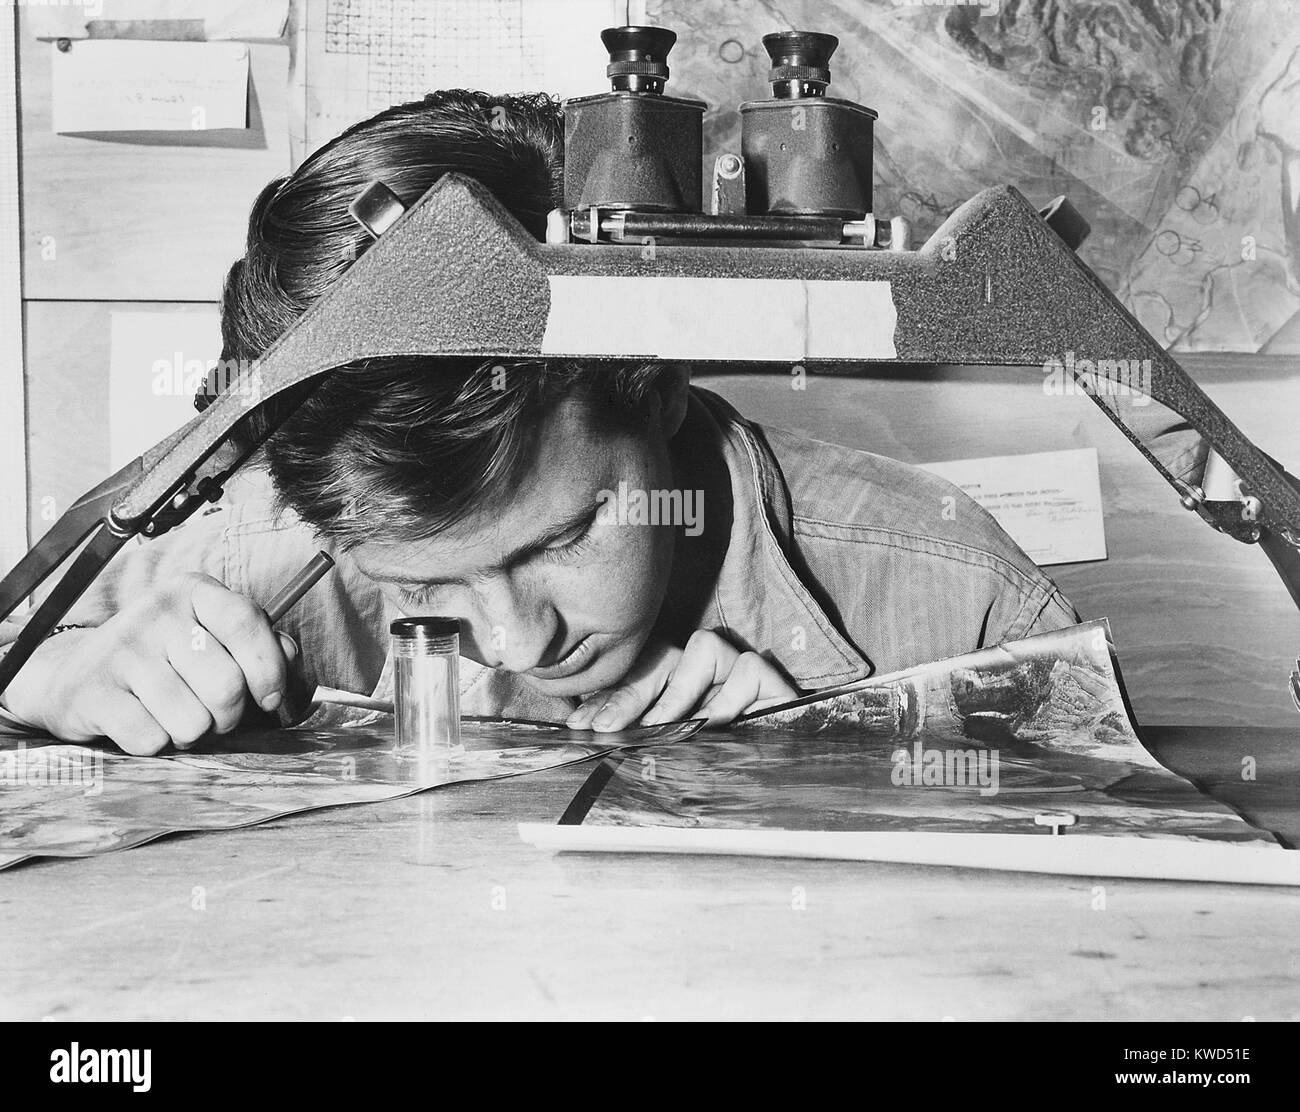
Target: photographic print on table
[[60, 800], [989, 742]]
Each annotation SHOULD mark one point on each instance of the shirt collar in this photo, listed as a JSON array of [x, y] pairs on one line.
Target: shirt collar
[[759, 600]]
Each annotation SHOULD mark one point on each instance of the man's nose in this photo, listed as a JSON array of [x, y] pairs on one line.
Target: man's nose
[[518, 624]]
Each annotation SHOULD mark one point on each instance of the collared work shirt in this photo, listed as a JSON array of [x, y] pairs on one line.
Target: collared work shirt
[[841, 564]]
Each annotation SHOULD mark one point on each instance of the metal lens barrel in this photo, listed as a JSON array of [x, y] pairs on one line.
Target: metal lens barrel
[[806, 153], [634, 147]]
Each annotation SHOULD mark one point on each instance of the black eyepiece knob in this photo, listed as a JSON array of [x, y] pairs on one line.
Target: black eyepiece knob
[[638, 57], [800, 62]]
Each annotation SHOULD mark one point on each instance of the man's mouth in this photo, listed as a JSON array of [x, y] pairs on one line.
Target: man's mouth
[[573, 662]]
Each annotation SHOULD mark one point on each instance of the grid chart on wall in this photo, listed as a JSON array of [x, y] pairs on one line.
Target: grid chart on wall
[[361, 56], [412, 47]]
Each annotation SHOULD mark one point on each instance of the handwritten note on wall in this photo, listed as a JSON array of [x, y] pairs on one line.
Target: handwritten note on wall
[[1049, 502], [130, 85]]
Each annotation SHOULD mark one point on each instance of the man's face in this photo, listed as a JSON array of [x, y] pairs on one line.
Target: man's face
[[548, 585]]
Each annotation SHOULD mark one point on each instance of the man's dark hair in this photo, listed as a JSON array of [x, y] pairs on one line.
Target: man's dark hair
[[403, 447]]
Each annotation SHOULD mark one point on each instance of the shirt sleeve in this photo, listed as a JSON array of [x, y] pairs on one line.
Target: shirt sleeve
[[198, 546], [201, 545], [1042, 613], [251, 549]]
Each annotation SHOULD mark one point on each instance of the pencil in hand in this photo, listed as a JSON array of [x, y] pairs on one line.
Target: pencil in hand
[[297, 702]]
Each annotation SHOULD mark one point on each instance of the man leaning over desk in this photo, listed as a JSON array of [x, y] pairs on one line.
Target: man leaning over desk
[[485, 492]]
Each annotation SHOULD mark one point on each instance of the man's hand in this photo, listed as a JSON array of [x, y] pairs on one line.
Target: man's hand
[[710, 679], [176, 664]]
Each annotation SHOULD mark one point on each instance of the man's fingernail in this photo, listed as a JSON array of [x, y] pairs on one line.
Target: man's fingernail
[[271, 701], [604, 717]]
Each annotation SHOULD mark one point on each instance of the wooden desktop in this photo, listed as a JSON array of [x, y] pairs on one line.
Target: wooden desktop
[[431, 907]]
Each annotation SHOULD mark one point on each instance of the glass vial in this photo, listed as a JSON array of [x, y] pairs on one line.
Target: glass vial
[[426, 686]]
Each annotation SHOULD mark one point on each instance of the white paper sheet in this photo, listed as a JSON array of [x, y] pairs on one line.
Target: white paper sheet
[[1070, 855], [1049, 502], [132, 85]]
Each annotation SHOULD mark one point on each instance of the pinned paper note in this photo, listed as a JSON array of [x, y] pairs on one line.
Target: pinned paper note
[[1049, 502], [220, 19], [121, 85]]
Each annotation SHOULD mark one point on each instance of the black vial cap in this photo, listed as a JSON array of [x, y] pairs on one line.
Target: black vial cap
[[425, 627]]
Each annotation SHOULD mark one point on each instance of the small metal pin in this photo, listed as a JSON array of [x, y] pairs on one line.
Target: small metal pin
[[1056, 820], [900, 234], [864, 229]]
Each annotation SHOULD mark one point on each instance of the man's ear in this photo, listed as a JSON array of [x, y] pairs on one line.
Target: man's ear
[[673, 388]]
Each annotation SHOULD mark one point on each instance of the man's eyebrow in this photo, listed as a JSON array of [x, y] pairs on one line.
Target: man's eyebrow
[[581, 517]]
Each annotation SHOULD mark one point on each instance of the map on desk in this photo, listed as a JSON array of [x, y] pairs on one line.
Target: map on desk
[[1032, 737], [60, 800]]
